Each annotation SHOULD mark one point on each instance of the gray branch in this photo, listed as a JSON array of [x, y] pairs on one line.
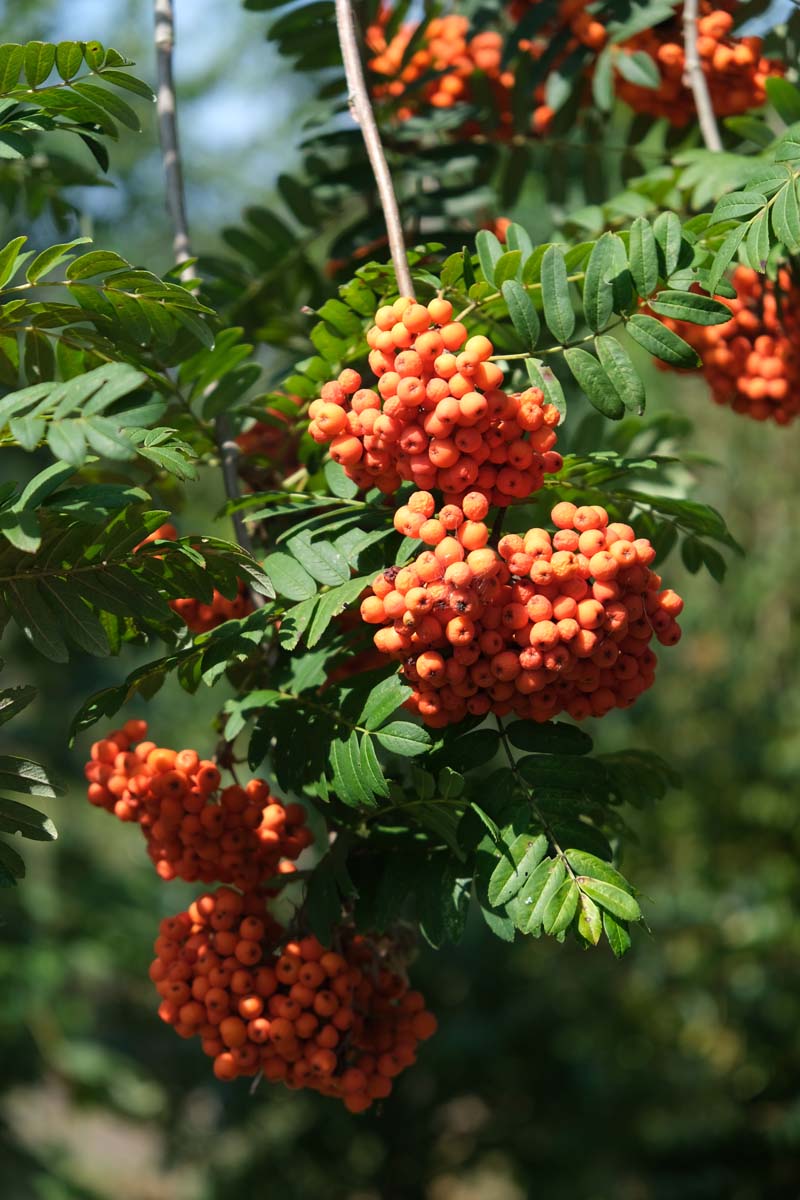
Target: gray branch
[[166, 105], [361, 110], [696, 80]]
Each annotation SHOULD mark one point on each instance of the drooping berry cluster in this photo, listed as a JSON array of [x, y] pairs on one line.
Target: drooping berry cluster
[[579, 28], [455, 60], [734, 68], [269, 448], [194, 829], [446, 52], [344, 1024], [437, 415], [353, 661], [542, 625], [576, 18], [200, 617], [752, 362]]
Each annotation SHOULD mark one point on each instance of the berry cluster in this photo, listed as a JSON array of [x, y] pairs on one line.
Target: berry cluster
[[197, 616], [445, 50], [752, 362], [194, 829], [269, 447], [344, 1024], [437, 416], [734, 68], [542, 625], [353, 661], [579, 27], [200, 617], [584, 28], [573, 18]]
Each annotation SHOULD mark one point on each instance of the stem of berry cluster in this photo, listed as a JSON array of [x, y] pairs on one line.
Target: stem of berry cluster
[[166, 106], [361, 110], [696, 80]]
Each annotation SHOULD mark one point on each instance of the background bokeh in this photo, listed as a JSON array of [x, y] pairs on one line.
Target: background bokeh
[[556, 1072]]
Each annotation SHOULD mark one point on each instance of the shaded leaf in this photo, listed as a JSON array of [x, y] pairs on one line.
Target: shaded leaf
[[618, 937], [550, 737], [403, 738], [20, 818]]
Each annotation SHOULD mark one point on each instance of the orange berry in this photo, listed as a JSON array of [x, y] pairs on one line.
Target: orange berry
[[440, 311]]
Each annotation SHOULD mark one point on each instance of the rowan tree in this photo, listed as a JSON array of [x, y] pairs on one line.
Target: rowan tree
[[449, 516]]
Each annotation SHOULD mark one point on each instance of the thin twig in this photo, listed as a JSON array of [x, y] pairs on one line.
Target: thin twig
[[168, 133], [166, 105], [229, 458], [361, 110], [694, 78]]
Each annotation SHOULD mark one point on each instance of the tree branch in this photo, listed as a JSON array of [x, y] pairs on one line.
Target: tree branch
[[361, 110], [694, 78], [166, 106]]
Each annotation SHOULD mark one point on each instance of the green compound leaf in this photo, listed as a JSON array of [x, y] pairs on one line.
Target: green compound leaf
[[643, 257], [558, 310], [288, 577], [661, 342], [598, 291], [403, 738], [688, 306], [517, 863], [619, 368], [613, 899], [595, 383], [561, 908], [528, 907], [523, 315]]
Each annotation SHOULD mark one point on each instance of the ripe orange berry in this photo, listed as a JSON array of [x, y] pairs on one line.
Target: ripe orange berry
[[440, 311]]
